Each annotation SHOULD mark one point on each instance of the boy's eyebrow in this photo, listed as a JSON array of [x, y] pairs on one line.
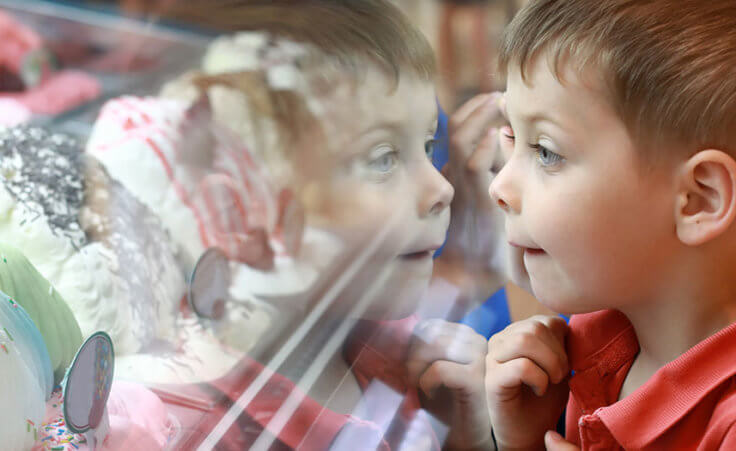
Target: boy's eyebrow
[[384, 125], [538, 116], [396, 126]]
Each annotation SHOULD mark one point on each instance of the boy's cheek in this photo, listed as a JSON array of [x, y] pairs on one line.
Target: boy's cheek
[[516, 271]]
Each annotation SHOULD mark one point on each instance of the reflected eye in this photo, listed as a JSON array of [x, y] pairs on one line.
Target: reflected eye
[[507, 140], [546, 157], [429, 148], [508, 134], [384, 163]]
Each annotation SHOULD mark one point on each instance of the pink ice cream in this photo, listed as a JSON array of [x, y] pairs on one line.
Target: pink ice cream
[[60, 92], [56, 93], [138, 420]]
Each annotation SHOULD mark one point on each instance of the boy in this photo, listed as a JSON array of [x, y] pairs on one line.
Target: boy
[[620, 197], [342, 94]]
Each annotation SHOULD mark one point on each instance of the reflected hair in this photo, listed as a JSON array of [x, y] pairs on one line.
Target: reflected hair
[[350, 31]]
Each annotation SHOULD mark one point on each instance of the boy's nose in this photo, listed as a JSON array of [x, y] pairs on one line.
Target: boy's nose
[[503, 194], [437, 194]]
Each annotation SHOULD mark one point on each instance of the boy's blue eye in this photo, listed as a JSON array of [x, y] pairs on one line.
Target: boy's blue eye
[[429, 148], [546, 157], [384, 163]]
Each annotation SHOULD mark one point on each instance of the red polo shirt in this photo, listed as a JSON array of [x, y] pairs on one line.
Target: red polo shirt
[[374, 351], [690, 403]]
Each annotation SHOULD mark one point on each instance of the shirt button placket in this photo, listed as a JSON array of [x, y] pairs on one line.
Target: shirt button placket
[[594, 435]]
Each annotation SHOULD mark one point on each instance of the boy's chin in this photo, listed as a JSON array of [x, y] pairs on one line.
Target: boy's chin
[[560, 302]]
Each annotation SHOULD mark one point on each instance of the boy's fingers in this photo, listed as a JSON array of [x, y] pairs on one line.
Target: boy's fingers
[[555, 442], [551, 328], [558, 326], [449, 348], [433, 330], [504, 380], [533, 348], [482, 160], [442, 372], [465, 137], [462, 113], [460, 350], [437, 340]]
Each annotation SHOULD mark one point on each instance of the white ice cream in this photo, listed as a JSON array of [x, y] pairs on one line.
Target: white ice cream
[[103, 251]]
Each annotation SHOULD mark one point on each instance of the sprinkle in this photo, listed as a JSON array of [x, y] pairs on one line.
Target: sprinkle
[[57, 448], [5, 259], [8, 333], [12, 302], [49, 177], [4, 348], [48, 437]]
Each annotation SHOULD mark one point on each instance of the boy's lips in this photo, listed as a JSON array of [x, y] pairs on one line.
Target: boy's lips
[[421, 254], [528, 250]]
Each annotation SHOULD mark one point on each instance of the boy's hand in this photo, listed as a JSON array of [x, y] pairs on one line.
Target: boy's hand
[[555, 442], [526, 381], [474, 158], [473, 257], [447, 362]]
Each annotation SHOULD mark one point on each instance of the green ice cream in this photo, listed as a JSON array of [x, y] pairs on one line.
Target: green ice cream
[[20, 280]]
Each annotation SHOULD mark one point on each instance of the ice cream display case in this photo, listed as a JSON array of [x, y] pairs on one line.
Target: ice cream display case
[[168, 280]]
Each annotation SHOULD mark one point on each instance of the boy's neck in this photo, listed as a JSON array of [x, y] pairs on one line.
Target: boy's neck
[[685, 314]]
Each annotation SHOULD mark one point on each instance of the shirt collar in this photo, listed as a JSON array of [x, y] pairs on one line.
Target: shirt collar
[[602, 346]]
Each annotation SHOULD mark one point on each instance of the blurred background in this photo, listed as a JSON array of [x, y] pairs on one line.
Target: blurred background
[[464, 34]]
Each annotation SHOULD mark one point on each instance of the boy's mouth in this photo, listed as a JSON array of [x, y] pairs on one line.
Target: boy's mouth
[[531, 251], [417, 255], [420, 255]]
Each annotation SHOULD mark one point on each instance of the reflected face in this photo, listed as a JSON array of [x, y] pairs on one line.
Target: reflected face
[[373, 185], [590, 227]]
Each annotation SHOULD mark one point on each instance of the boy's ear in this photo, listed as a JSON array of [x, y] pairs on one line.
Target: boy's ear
[[706, 203]]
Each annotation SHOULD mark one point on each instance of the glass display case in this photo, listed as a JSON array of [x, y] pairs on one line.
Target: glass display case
[[250, 304]]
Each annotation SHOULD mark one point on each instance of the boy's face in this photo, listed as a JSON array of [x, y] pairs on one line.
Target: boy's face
[[590, 226], [373, 184]]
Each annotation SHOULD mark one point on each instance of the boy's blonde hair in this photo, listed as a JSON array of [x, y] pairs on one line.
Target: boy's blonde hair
[[350, 31], [669, 66], [339, 38]]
